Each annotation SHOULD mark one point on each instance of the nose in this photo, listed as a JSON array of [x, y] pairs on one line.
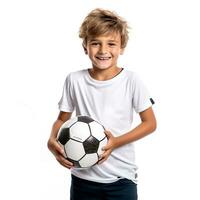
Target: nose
[[103, 49]]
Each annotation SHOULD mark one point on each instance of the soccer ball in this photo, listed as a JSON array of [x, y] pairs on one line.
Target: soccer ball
[[82, 139]]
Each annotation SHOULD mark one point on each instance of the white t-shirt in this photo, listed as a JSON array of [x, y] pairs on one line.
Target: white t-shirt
[[110, 102]]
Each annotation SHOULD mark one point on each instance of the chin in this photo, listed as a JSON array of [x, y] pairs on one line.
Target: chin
[[106, 66], [102, 67]]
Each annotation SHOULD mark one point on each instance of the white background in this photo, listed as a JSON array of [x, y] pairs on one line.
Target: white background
[[39, 45]]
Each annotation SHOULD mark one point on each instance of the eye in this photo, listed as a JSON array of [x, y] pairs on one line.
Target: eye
[[111, 44], [94, 43]]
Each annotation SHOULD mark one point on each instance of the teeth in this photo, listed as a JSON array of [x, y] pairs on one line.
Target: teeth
[[103, 58]]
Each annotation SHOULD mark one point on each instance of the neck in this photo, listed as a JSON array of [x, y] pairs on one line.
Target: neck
[[104, 74]]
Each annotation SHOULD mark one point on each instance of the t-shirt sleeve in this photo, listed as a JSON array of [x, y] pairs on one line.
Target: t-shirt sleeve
[[141, 97], [66, 102]]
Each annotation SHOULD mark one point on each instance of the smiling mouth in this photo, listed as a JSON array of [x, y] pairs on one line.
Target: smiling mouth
[[103, 58]]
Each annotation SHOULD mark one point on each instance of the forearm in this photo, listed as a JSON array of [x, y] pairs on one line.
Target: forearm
[[147, 126], [55, 128], [58, 123], [52, 143], [135, 134]]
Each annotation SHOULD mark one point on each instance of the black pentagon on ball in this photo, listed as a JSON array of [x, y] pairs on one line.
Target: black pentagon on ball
[[91, 145], [85, 119], [64, 136]]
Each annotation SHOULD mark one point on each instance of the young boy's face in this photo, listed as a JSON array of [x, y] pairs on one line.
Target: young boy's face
[[104, 50]]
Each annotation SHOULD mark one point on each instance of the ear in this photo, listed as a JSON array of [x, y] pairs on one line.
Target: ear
[[85, 49], [121, 51]]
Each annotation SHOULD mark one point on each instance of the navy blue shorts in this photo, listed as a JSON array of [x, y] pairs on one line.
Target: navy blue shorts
[[123, 189]]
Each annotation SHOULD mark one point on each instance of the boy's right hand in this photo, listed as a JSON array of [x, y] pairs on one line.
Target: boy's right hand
[[58, 152]]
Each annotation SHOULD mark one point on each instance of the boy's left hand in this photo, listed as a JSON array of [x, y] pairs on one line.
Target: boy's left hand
[[109, 146]]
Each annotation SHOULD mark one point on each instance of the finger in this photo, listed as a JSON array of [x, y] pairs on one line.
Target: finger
[[56, 148], [103, 157], [59, 148], [108, 133], [105, 148], [63, 161], [102, 160], [56, 152], [65, 165]]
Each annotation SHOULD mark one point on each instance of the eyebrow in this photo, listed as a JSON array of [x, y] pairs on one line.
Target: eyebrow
[[96, 40]]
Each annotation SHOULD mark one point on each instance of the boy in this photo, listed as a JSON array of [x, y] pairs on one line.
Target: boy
[[109, 94]]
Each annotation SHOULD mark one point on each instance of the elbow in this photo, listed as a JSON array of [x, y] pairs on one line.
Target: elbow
[[153, 126], [153, 129]]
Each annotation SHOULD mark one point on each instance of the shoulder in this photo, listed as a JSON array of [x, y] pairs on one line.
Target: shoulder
[[134, 80], [131, 75], [76, 75]]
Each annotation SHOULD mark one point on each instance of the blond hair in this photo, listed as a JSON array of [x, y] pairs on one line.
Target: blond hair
[[102, 22]]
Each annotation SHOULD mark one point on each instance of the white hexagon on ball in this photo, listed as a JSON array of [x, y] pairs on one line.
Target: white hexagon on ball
[[74, 150], [70, 122], [98, 130], [101, 145], [88, 160], [80, 131]]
